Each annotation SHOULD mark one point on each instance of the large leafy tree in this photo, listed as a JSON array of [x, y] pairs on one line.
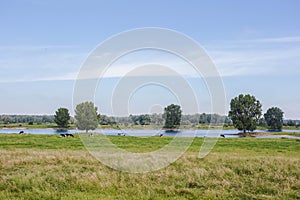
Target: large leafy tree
[[274, 118], [62, 118], [86, 116], [245, 112], [172, 116]]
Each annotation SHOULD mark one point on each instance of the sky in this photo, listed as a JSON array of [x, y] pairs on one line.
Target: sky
[[255, 46]]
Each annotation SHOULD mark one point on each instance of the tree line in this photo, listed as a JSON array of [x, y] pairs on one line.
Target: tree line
[[245, 114], [142, 119], [38, 119], [158, 119], [87, 118]]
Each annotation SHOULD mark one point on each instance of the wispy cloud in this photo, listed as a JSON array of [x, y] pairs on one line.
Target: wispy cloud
[[30, 63], [265, 56], [276, 40], [268, 56]]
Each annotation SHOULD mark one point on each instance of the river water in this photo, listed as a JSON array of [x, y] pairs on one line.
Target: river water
[[147, 133]]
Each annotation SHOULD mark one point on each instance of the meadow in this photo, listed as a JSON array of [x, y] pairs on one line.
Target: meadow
[[52, 167]]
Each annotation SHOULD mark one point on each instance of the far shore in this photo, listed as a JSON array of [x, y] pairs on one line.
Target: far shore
[[252, 134]]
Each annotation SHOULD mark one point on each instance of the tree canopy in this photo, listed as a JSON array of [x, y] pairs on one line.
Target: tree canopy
[[86, 116], [39, 119], [62, 118], [140, 119], [245, 112], [290, 122], [172, 116], [274, 118]]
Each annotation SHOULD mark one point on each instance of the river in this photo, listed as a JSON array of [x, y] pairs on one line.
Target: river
[[147, 133]]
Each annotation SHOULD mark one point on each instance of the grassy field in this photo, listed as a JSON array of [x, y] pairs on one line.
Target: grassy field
[[286, 133], [51, 167]]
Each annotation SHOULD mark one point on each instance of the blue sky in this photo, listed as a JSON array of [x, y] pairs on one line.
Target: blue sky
[[254, 44]]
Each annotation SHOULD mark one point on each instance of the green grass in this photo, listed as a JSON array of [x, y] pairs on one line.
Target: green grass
[[51, 167], [286, 133], [291, 127], [34, 126]]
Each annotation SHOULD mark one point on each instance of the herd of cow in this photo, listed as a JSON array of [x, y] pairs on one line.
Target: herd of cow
[[62, 135], [71, 135], [67, 135]]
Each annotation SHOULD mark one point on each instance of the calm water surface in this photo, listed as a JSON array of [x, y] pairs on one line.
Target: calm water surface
[[186, 133]]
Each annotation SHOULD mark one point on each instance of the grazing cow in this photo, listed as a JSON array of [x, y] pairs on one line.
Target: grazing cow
[[160, 135], [69, 135], [21, 132], [222, 135]]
